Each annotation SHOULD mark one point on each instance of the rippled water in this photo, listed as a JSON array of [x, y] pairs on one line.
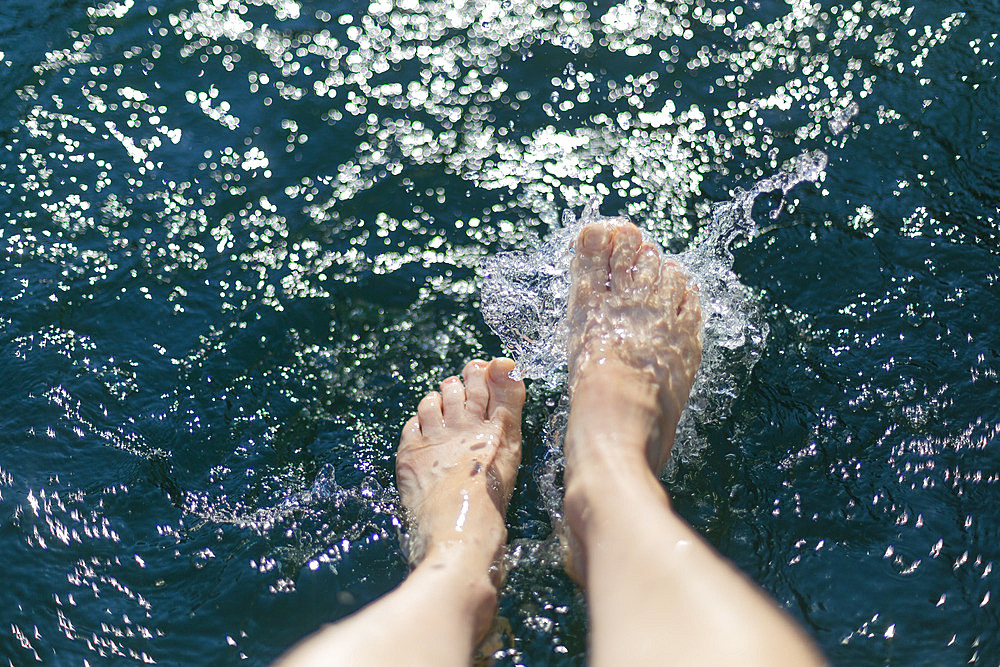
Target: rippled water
[[242, 237]]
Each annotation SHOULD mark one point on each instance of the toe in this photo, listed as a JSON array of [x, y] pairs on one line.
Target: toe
[[647, 266], [590, 265], [690, 303], [689, 316], [452, 400], [477, 395], [672, 282], [506, 395], [411, 433], [626, 242], [429, 412]]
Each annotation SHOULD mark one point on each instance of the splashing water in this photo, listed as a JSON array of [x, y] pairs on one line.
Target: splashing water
[[241, 240], [525, 293]]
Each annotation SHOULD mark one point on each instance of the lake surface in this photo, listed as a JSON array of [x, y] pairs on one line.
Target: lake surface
[[241, 238]]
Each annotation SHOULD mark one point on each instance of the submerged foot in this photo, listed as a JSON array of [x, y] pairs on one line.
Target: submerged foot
[[634, 337], [634, 346], [457, 462]]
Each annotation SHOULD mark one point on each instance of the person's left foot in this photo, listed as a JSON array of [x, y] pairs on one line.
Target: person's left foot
[[458, 459]]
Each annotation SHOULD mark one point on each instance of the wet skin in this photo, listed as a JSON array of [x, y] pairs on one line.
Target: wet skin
[[657, 592], [634, 327]]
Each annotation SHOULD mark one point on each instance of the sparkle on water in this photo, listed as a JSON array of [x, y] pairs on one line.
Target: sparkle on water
[[242, 237]]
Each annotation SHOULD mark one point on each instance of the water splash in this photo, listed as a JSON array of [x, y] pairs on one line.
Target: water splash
[[321, 496], [524, 296], [842, 119], [525, 293]]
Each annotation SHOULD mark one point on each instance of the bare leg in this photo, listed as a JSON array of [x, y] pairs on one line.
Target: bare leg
[[656, 591], [456, 467]]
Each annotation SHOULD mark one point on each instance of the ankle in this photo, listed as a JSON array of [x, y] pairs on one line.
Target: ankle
[[614, 493], [468, 574], [613, 462], [472, 551], [616, 410]]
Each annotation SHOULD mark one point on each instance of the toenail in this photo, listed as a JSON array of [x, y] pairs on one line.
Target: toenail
[[626, 235], [498, 374], [592, 237]]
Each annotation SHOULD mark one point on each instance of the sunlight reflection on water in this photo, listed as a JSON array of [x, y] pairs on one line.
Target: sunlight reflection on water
[[243, 236]]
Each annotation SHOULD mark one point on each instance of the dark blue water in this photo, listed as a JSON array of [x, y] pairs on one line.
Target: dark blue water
[[240, 238]]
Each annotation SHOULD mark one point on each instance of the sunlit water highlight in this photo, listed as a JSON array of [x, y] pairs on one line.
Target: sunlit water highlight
[[242, 237]]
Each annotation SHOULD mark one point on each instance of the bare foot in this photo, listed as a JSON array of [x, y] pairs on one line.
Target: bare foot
[[457, 462], [455, 468], [635, 336], [634, 346]]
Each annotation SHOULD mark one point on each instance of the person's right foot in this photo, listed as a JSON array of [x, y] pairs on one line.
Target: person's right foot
[[634, 347]]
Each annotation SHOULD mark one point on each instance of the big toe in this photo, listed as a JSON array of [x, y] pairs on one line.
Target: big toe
[[506, 395], [590, 267]]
